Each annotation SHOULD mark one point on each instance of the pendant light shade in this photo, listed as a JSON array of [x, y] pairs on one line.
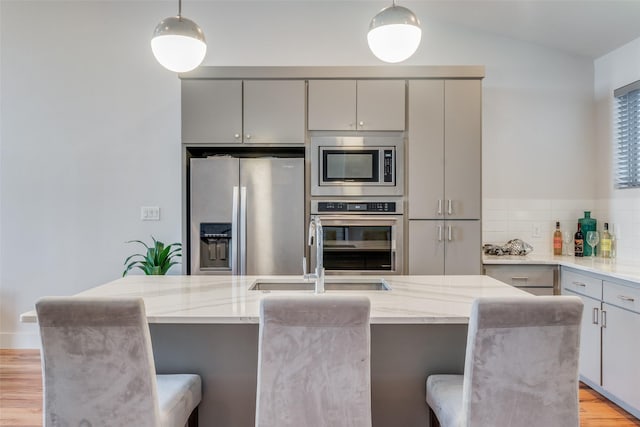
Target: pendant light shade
[[394, 34], [178, 43]]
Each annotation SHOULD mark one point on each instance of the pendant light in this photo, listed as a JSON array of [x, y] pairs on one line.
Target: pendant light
[[394, 34], [178, 43]]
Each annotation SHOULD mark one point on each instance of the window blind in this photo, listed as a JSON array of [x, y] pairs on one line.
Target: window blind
[[627, 157]]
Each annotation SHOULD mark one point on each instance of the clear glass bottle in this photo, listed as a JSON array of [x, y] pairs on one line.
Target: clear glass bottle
[[614, 241], [578, 239], [605, 242], [557, 240]]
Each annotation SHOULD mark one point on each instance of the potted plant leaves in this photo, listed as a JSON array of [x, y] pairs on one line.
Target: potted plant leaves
[[157, 260]]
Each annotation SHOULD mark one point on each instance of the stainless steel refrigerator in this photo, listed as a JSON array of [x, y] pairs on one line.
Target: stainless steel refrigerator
[[246, 215]]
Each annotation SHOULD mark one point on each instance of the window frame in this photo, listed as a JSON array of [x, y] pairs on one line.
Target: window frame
[[627, 136]]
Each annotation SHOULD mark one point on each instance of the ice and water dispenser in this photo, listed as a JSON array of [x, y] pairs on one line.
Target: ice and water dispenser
[[215, 245]]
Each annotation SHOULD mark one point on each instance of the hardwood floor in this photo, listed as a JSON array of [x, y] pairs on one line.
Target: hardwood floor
[[21, 396]]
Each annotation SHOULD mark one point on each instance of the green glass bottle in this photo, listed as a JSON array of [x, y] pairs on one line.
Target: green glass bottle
[[588, 224]]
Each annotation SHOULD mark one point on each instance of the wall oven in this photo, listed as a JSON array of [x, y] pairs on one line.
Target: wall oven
[[363, 237], [357, 165]]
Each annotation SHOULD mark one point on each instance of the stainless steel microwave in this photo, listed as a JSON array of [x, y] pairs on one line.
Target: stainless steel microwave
[[357, 166]]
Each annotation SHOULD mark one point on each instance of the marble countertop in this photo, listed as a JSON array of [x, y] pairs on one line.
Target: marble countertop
[[228, 300], [609, 267]]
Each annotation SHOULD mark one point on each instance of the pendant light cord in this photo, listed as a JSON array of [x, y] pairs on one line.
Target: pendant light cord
[[180, 9]]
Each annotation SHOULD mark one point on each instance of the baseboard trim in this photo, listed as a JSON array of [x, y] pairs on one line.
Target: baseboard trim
[[20, 340]]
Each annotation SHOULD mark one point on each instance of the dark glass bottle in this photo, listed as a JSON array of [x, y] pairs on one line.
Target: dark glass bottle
[[578, 242]]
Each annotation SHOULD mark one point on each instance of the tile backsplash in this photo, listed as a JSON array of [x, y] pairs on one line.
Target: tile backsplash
[[533, 220]]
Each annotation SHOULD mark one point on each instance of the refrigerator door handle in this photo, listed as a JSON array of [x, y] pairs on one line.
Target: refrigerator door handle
[[234, 232], [243, 230]]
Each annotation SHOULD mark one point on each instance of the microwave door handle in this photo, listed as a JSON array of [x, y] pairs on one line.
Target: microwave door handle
[[234, 232]]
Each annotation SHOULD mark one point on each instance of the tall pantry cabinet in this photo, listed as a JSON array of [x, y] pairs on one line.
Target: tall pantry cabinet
[[444, 176]]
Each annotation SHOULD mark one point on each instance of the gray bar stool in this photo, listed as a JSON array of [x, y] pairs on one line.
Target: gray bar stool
[[98, 367], [314, 362], [521, 366]]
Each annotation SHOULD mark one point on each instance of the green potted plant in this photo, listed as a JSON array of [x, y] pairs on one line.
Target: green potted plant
[[157, 260]]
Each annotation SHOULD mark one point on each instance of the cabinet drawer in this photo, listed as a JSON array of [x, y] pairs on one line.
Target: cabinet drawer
[[523, 275], [622, 296], [581, 284]]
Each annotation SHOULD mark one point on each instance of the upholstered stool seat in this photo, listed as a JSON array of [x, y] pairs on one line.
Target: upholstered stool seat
[[314, 362], [98, 367], [521, 366]]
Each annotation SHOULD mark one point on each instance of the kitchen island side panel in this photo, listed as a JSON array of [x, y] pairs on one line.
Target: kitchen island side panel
[[226, 357]]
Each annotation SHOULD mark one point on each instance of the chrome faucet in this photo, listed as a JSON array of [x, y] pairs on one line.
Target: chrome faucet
[[316, 236]]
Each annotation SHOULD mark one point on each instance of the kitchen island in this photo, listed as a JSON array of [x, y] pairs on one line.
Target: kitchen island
[[209, 325]]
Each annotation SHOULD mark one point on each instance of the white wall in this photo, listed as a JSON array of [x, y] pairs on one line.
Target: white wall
[[90, 123], [616, 69]]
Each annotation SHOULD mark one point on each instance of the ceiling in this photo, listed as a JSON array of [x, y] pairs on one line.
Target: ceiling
[[588, 28], [583, 27]]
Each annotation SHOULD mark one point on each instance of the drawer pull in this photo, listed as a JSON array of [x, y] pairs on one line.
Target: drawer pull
[[624, 298], [595, 315], [604, 319], [520, 278], [580, 284]]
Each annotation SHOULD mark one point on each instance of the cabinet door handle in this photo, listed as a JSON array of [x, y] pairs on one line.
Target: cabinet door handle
[[595, 315], [439, 233], [361, 124], [236, 136], [439, 206], [625, 298], [604, 318], [449, 207], [449, 233], [580, 284], [248, 136]]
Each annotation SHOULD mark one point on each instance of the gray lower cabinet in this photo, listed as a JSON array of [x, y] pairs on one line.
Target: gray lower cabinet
[[621, 342], [364, 105], [236, 111], [444, 247], [609, 344], [537, 279]]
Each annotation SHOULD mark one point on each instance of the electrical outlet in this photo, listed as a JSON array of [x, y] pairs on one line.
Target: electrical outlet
[[535, 231], [150, 213]]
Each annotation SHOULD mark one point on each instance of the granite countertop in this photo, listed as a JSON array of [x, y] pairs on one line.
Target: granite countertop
[[228, 300], [609, 267]]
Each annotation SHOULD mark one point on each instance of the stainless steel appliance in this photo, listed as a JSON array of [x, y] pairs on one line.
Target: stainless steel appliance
[[357, 166], [361, 236], [246, 215]]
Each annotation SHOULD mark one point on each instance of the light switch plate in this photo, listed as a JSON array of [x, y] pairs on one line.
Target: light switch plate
[[150, 213], [535, 231]]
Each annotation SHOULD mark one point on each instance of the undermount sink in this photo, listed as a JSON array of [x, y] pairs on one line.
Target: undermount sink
[[333, 284]]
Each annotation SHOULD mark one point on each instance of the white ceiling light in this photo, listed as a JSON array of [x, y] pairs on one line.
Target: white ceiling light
[[394, 34], [178, 43]]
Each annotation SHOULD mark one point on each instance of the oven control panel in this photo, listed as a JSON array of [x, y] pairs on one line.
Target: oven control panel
[[343, 207]]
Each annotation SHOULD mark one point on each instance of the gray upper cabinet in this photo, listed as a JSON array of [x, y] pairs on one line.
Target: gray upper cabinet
[[274, 111], [444, 149], [211, 111], [357, 105], [233, 111]]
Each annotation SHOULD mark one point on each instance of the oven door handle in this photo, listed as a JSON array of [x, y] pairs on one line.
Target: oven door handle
[[361, 219]]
